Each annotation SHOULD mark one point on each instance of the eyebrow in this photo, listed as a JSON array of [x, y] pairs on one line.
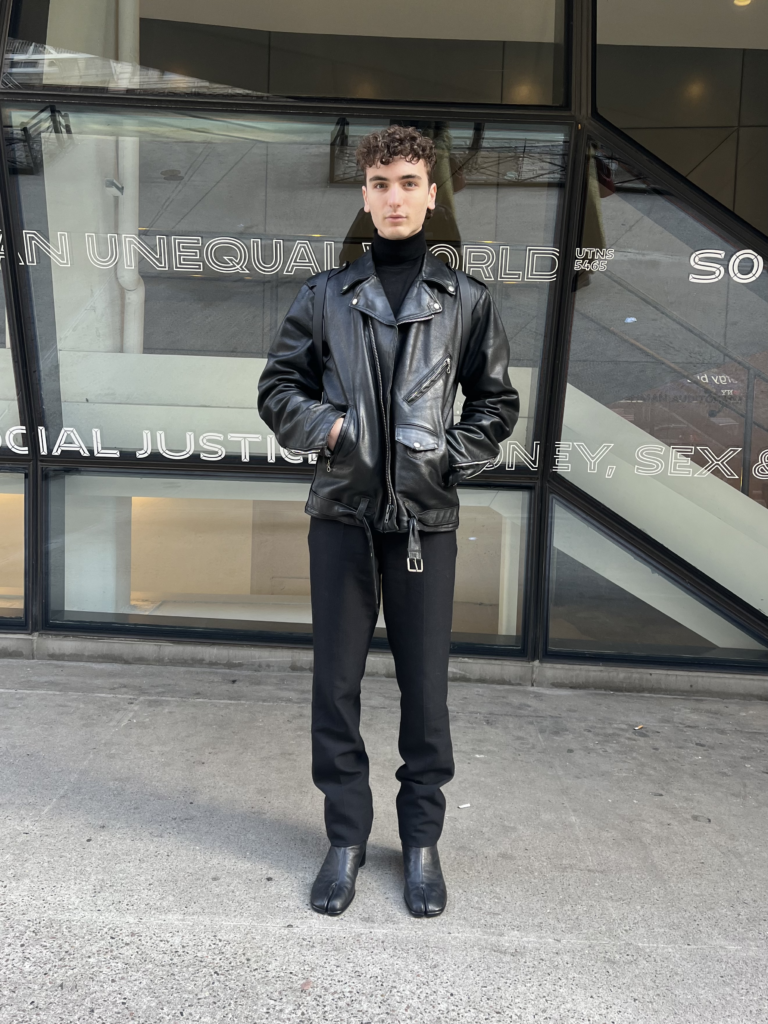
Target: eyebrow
[[404, 177]]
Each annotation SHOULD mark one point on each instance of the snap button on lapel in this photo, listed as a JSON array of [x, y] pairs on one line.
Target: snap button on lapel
[[417, 444], [354, 302]]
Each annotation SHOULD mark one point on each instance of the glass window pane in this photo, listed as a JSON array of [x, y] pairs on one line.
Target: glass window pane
[[439, 52], [666, 415], [163, 251], [9, 406], [12, 531], [490, 570], [173, 551], [689, 80], [604, 598], [217, 553]]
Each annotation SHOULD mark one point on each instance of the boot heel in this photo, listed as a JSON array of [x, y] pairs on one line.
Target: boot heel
[[362, 861]]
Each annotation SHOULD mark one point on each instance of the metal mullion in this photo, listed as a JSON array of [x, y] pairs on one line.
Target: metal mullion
[[25, 395], [25, 392], [554, 373], [554, 362], [716, 596], [10, 272], [582, 74], [5, 24], [128, 463], [568, 52], [545, 400], [332, 108], [532, 581], [36, 547]]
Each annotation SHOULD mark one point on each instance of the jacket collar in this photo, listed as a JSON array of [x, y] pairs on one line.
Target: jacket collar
[[420, 303], [434, 272]]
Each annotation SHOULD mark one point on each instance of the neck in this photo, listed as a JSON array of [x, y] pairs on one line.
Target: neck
[[398, 250]]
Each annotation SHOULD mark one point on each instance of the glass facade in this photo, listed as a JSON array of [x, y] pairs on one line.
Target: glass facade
[[12, 547], [229, 554], [606, 599], [689, 81], [493, 53], [666, 418], [172, 174], [9, 405], [162, 252]]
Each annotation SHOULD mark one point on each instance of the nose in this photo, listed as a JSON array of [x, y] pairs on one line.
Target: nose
[[395, 196]]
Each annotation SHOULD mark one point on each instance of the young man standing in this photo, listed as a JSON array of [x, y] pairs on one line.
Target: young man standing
[[364, 372]]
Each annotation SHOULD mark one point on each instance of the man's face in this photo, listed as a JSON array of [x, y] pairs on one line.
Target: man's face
[[397, 196]]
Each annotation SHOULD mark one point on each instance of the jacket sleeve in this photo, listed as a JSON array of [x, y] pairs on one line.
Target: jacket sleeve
[[491, 404], [290, 387]]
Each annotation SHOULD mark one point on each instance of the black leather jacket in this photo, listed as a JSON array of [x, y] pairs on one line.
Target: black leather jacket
[[400, 454]]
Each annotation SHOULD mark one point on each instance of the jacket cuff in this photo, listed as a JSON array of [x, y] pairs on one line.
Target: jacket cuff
[[322, 425], [465, 472]]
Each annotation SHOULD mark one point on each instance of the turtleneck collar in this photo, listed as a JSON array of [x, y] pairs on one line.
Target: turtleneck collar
[[391, 251]]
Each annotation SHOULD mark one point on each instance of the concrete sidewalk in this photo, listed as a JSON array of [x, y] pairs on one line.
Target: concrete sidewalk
[[160, 834]]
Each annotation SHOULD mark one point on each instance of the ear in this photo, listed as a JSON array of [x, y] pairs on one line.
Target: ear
[[432, 195], [366, 207]]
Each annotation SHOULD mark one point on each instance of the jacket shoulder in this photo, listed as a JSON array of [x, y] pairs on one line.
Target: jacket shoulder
[[476, 282], [312, 282]]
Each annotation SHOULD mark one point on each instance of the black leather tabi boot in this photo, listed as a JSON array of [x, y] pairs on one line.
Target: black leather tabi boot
[[425, 893], [334, 887]]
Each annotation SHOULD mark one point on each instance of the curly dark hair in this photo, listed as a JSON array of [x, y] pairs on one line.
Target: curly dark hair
[[396, 143]]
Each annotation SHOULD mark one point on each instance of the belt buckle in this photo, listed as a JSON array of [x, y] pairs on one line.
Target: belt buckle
[[418, 564]]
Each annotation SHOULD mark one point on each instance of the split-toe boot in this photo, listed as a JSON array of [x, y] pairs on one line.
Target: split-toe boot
[[334, 887], [425, 892]]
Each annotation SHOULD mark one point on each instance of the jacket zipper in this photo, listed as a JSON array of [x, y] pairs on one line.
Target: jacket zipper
[[385, 417], [429, 379]]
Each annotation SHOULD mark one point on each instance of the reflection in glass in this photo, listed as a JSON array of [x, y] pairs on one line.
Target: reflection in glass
[[666, 417], [9, 406], [490, 569], [175, 551], [689, 81], [605, 599], [439, 52], [163, 251], [12, 493]]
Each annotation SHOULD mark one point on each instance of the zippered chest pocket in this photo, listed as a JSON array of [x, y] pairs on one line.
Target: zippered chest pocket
[[443, 368]]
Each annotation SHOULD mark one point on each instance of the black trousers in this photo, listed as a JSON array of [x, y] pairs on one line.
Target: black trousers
[[417, 609]]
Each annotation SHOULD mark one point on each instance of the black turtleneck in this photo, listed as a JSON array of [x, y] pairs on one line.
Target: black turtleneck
[[398, 262]]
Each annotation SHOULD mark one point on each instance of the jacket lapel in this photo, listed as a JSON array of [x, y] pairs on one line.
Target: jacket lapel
[[419, 303]]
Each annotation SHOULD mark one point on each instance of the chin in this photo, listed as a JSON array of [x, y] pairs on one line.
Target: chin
[[396, 231]]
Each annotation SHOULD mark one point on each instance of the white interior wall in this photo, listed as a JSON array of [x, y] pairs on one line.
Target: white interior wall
[[98, 544], [97, 552], [529, 20], [87, 299], [86, 26], [718, 23], [9, 410]]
